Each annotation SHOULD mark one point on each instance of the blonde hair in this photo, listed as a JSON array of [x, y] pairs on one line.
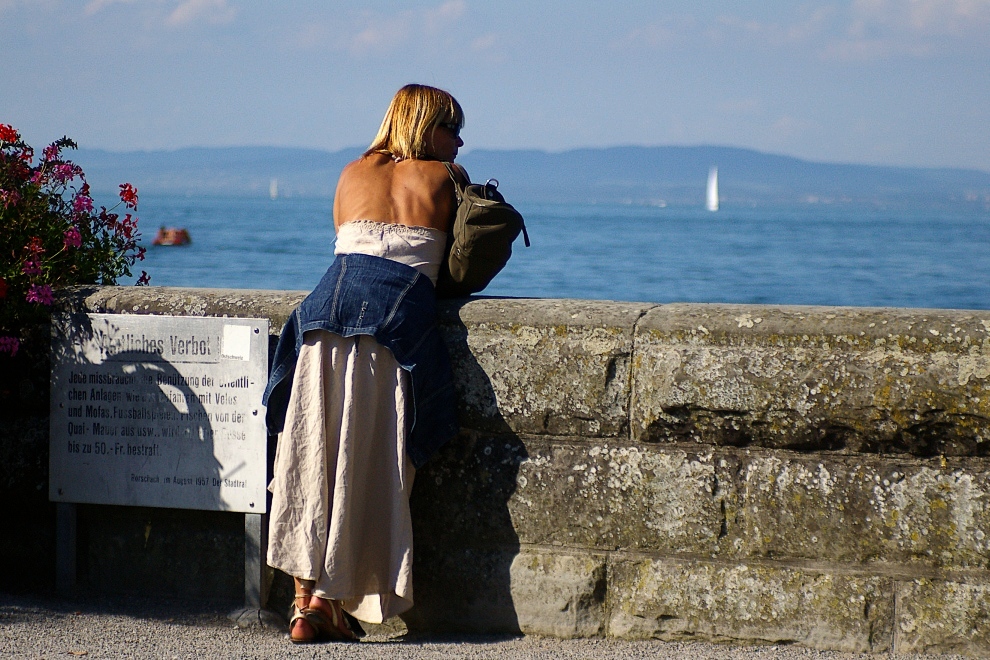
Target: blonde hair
[[414, 110]]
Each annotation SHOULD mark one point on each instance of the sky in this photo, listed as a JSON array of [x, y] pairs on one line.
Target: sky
[[887, 82]]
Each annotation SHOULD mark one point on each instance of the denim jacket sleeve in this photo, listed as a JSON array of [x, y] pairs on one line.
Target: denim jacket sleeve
[[283, 367]]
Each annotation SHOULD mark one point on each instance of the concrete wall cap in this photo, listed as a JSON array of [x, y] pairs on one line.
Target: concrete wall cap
[[923, 330], [181, 301], [543, 312]]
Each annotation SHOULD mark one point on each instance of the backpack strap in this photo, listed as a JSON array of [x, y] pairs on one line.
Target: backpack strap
[[457, 185]]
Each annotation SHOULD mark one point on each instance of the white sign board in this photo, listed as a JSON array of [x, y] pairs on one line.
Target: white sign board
[[160, 411]]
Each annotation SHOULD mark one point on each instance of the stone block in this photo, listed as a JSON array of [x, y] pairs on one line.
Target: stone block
[[549, 366], [614, 496], [674, 601], [943, 617], [532, 591], [558, 594], [869, 380], [497, 489], [506, 489], [857, 508]]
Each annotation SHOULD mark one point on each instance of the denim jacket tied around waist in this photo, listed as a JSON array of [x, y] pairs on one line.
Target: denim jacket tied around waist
[[394, 303]]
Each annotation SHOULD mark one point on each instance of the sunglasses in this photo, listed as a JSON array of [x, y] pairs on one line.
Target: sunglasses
[[452, 127]]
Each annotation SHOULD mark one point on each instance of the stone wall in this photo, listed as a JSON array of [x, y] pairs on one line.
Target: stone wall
[[801, 475]]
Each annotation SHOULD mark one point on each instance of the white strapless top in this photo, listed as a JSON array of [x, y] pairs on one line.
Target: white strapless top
[[420, 247]]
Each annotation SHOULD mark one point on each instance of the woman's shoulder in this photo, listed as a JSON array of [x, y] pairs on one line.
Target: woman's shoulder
[[415, 172], [367, 161], [435, 169], [432, 173]]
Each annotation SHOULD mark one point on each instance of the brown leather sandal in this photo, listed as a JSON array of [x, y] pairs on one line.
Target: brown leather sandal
[[332, 625]]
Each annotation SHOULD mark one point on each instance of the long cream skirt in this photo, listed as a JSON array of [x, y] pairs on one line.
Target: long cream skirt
[[340, 493]]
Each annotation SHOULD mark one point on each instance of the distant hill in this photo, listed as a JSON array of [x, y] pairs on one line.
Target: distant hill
[[635, 175], [643, 175], [217, 171]]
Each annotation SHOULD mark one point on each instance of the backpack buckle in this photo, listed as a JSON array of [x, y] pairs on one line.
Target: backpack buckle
[[493, 183]]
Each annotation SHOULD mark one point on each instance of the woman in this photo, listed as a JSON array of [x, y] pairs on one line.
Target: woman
[[361, 386]]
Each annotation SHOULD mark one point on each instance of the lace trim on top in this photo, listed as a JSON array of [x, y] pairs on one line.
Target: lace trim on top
[[422, 248]]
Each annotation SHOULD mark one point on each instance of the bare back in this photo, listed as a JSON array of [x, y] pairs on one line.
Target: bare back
[[418, 193]]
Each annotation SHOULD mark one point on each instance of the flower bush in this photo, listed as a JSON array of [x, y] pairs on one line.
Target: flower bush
[[51, 234]]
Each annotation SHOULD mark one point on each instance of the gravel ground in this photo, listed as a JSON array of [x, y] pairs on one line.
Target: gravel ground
[[31, 627]]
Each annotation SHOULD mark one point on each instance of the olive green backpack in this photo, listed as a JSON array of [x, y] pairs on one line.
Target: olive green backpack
[[480, 242]]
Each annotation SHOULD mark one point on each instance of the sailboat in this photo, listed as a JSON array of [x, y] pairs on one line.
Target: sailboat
[[273, 188], [711, 196]]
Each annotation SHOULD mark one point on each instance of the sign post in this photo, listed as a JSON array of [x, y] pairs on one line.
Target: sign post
[[160, 411]]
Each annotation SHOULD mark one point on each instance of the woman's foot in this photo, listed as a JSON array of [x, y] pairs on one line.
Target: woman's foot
[[328, 620], [301, 630], [315, 619]]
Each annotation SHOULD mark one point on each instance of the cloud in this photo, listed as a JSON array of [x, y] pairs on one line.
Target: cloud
[[860, 30], [185, 12], [381, 35], [443, 15], [883, 29], [804, 28], [367, 33], [921, 17], [211, 11], [674, 31]]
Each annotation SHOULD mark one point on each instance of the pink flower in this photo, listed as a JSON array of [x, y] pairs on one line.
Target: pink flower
[[31, 268], [144, 279], [63, 172], [7, 133], [9, 344], [9, 197], [73, 238], [128, 195], [82, 203], [39, 293], [51, 152]]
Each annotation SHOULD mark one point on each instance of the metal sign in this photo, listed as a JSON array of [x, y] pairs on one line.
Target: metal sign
[[160, 411]]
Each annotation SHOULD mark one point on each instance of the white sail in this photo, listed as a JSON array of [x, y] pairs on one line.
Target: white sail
[[273, 188], [711, 198]]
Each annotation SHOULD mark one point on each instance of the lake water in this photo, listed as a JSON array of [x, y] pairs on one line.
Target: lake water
[[800, 255]]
